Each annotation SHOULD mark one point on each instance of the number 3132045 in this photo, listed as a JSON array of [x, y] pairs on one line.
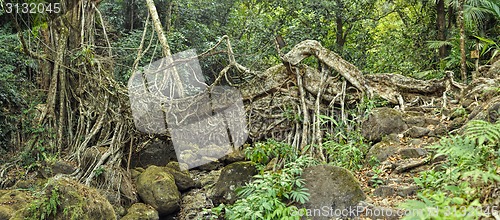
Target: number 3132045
[[32, 8]]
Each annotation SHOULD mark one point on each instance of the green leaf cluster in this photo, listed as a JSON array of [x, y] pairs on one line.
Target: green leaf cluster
[[46, 207], [271, 194]]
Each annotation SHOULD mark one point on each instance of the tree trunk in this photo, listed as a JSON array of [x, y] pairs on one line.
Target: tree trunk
[[168, 17], [130, 18], [340, 38], [441, 26], [164, 43], [451, 17], [461, 24]]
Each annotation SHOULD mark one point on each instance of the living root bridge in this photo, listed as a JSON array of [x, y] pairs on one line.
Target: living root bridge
[[284, 102]]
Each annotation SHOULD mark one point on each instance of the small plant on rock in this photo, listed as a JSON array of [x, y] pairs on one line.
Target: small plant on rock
[[46, 207], [272, 194]]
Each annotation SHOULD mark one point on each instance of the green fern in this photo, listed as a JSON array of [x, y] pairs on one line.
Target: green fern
[[459, 150], [271, 194], [483, 132], [472, 165]]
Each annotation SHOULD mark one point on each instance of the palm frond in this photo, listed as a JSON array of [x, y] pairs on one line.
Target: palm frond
[[436, 44], [492, 6], [474, 16]]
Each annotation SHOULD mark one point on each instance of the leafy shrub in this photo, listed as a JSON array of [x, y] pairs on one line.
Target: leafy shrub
[[346, 155], [262, 152], [345, 146], [11, 100]]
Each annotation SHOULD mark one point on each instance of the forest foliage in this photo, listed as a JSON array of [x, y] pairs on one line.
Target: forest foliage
[[420, 39], [402, 37]]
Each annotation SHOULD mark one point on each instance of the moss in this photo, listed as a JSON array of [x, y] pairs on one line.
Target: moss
[[157, 188], [64, 199], [11, 201], [232, 176], [141, 211]]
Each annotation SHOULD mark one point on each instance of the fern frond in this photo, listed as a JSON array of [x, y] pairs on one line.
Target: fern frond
[[483, 131]]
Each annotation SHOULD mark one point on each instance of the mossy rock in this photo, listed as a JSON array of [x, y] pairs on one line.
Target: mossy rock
[[232, 176], [156, 187], [381, 122], [11, 201], [331, 187], [64, 199], [141, 211], [382, 150], [183, 179]]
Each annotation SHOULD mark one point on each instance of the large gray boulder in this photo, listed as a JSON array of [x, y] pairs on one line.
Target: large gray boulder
[[232, 176], [334, 192], [381, 122], [156, 187]]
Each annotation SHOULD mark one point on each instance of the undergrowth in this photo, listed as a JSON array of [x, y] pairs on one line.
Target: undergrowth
[[460, 187], [276, 191], [344, 146], [46, 207]]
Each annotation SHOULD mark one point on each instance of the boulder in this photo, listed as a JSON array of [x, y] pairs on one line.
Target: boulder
[[57, 167], [457, 123], [333, 189], [381, 122], [415, 142], [183, 179], [232, 176], [136, 172], [72, 201], [415, 121], [141, 211], [234, 156], [432, 121], [439, 130], [156, 187], [407, 191]]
